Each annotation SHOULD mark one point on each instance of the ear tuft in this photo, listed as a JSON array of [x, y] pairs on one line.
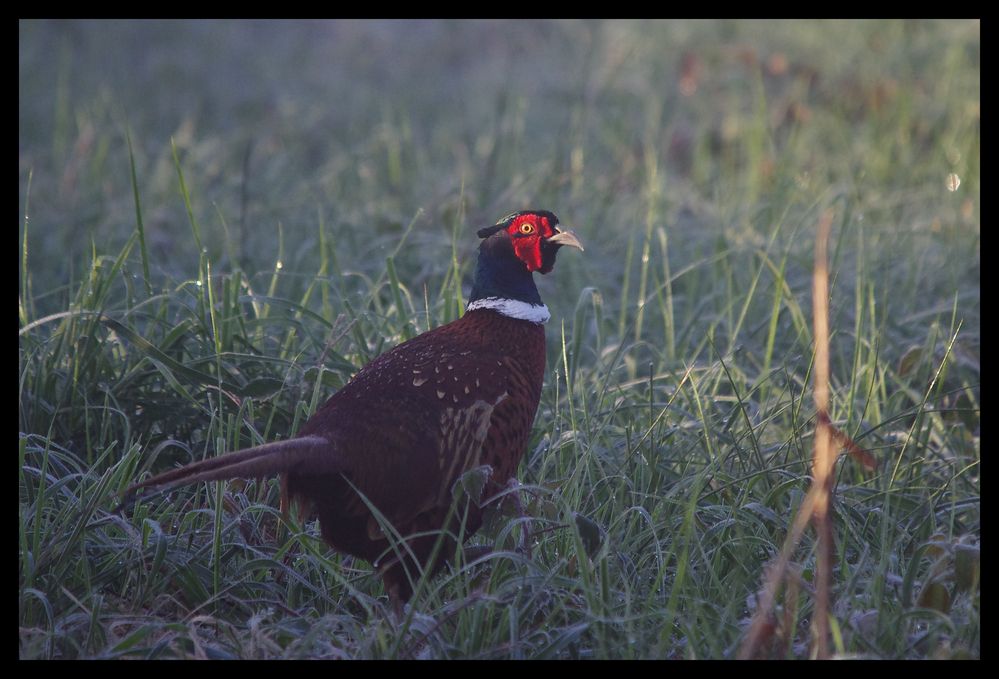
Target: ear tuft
[[489, 230]]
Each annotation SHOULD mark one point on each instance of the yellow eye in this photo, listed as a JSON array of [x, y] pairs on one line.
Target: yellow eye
[[526, 228]]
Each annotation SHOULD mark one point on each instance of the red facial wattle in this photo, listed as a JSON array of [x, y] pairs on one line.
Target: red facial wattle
[[527, 231], [529, 251]]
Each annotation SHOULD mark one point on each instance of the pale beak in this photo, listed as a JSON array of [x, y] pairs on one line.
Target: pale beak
[[566, 238]]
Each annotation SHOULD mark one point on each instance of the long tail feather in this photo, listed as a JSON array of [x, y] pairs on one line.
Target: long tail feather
[[305, 455]]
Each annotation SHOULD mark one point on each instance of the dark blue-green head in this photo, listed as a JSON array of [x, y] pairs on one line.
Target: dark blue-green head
[[515, 247]]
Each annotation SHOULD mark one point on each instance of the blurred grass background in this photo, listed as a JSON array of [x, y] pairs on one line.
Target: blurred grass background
[[304, 195]]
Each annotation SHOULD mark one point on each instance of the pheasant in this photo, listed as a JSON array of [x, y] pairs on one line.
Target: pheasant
[[409, 424]]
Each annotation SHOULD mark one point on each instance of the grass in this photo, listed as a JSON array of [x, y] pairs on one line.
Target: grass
[[222, 221]]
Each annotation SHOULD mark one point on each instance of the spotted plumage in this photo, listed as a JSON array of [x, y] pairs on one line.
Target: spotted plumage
[[418, 417]]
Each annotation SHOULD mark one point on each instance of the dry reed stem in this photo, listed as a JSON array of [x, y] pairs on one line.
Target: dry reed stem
[[817, 502], [825, 459]]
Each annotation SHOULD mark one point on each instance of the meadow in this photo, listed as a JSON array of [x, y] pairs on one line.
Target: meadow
[[221, 221]]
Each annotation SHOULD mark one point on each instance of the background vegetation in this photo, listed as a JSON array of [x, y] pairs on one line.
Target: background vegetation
[[220, 222]]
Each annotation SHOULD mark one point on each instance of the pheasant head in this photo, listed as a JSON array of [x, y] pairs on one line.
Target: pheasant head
[[511, 250]]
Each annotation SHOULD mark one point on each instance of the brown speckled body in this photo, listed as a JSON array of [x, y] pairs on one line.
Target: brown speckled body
[[409, 424]]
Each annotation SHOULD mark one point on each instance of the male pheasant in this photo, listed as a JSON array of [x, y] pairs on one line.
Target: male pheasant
[[409, 424]]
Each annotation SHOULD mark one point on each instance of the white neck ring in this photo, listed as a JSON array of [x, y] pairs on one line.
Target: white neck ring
[[514, 308]]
